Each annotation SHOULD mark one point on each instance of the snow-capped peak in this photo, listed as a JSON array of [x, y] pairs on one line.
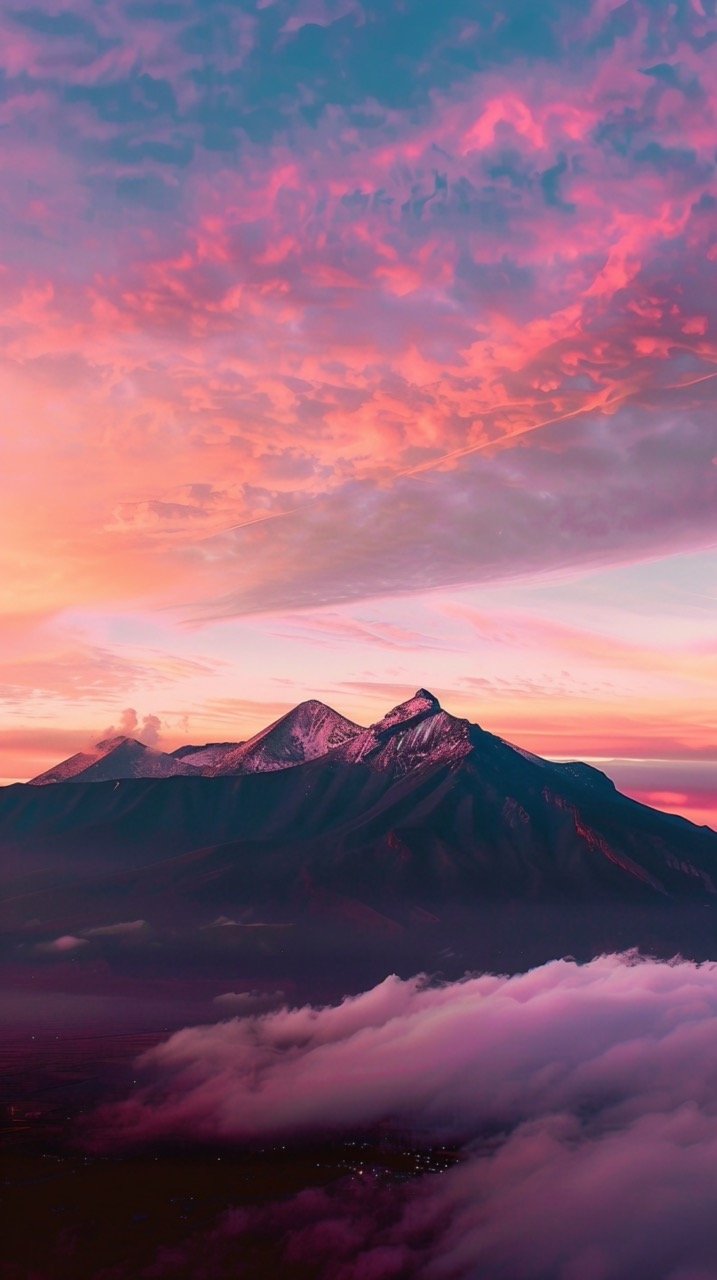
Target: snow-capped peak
[[416, 732], [421, 704], [308, 731]]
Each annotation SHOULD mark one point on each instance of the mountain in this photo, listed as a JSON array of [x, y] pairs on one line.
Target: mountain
[[415, 732], [112, 759], [308, 731], [423, 832]]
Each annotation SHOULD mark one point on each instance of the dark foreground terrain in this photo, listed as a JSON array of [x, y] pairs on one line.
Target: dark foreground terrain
[[73, 1212]]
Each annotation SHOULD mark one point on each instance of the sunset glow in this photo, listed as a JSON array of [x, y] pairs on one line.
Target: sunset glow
[[350, 348]]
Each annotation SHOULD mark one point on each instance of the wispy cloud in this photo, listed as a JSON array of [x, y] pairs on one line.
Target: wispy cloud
[[353, 283]]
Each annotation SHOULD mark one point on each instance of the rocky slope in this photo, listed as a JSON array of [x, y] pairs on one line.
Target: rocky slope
[[112, 759], [415, 817]]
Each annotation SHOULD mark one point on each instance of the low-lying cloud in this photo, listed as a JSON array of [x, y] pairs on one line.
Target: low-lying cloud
[[59, 946], [249, 1002], [583, 1098], [121, 929]]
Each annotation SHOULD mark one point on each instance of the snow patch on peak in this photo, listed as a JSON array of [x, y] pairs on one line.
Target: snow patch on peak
[[429, 697], [421, 704], [416, 733]]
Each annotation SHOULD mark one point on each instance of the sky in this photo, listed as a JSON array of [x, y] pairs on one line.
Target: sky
[[350, 347]]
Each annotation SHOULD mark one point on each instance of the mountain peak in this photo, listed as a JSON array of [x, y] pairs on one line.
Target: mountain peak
[[420, 705], [112, 759], [308, 731], [309, 709], [416, 732], [121, 740], [430, 697]]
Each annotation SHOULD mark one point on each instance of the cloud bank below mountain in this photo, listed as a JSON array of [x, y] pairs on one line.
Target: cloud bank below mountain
[[583, 1099]]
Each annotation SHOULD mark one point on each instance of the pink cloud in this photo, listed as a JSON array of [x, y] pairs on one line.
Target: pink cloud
[[582, 1098], [66, 943], [540, 1041]]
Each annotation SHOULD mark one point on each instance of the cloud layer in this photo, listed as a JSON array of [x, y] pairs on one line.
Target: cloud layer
[[317, 249], [583, 1098]]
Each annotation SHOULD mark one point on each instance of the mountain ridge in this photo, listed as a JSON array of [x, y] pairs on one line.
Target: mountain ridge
[[309, 730], [420, 808], [414, 731], [113, 759]]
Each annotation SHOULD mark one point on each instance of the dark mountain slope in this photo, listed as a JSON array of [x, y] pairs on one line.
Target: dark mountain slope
[[113, 758], [435, 816]]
